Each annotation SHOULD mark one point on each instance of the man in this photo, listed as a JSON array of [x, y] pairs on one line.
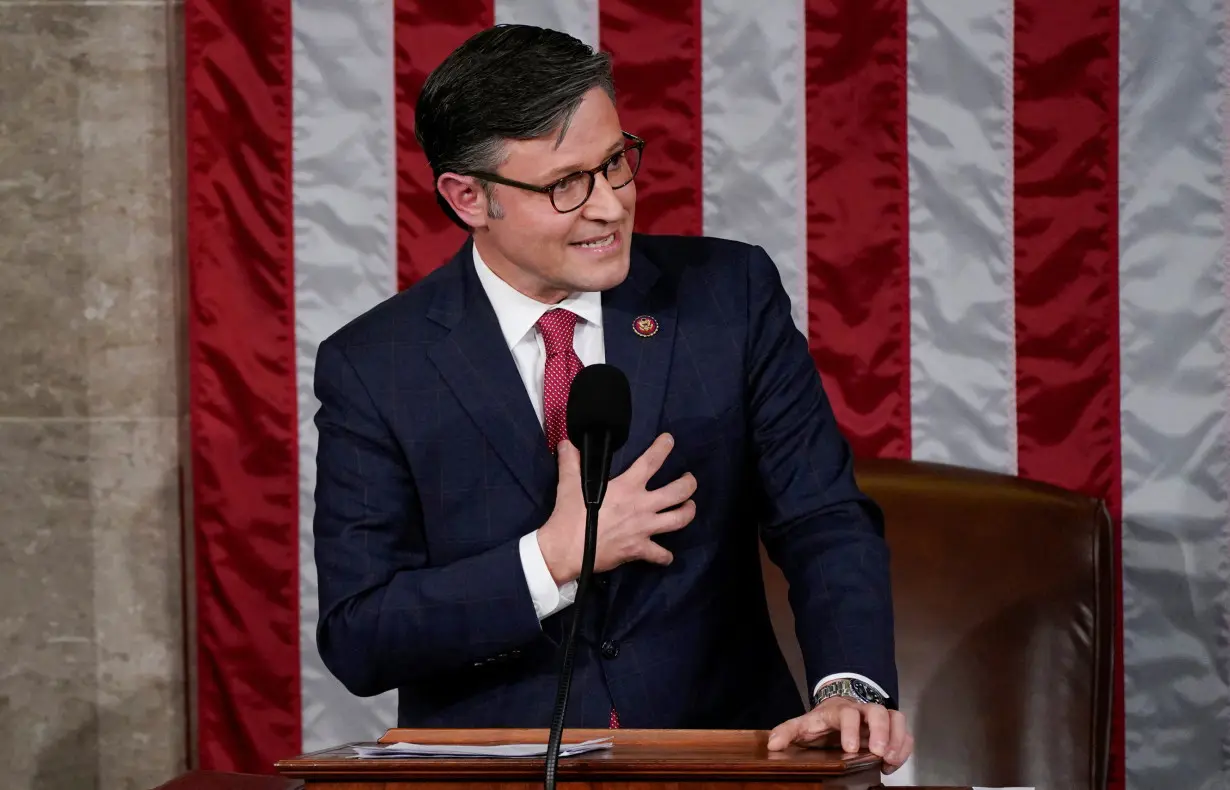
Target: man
[[449, 521]]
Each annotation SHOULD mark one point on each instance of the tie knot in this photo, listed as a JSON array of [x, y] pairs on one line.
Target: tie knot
[[557, 327]]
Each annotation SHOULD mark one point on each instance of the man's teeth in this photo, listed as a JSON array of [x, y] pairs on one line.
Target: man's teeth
[[600, 242]]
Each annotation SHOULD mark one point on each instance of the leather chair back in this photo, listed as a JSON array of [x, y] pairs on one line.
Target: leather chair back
[[1004, 606]]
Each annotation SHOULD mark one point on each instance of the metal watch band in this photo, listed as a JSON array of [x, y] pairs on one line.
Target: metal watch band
[[847, 687]]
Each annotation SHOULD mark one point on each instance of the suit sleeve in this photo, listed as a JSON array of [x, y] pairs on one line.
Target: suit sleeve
[[818, 527], [387, 616]]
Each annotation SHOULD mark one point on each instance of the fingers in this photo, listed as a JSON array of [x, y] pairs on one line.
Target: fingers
[[671, 494], [900, 742], [878, 729], [851, 725], [810, 729], [652, 459], [654, 553], [895, 759], [672, 520], [569, 458], [784, 734], [664, 522], [907, 749], [888, 735]]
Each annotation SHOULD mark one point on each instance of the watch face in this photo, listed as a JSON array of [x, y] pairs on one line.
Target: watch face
[[864, 692]]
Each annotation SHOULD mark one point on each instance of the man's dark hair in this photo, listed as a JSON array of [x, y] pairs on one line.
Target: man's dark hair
[[509, 82]]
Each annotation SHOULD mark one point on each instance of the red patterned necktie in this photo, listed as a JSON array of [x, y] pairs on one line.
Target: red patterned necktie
[[556, 327]]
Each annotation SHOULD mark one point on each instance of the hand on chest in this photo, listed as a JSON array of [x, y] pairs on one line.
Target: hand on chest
[[483, 466]]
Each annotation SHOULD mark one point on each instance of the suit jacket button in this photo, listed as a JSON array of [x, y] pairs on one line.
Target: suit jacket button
[[610, 649]]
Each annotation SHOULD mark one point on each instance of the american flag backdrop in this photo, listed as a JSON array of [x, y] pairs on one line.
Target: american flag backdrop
[[1002, 224]]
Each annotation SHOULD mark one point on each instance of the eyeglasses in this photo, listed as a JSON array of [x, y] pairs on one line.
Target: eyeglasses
[[570, 192]]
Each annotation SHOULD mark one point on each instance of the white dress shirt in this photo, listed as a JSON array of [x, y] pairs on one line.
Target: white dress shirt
[[518, 316]]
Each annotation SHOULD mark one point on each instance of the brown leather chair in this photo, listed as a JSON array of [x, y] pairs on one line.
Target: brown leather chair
[[1004, 604]]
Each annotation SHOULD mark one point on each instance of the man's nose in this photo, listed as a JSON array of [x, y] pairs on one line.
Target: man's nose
[[603, 204]]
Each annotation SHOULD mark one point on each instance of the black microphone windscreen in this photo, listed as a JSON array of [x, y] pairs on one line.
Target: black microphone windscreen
[[598, 401]]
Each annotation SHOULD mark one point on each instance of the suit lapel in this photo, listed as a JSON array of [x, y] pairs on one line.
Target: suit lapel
[[646, 360], [478, 367]]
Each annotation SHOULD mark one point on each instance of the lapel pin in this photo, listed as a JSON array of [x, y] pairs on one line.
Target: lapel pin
[[645, 326]]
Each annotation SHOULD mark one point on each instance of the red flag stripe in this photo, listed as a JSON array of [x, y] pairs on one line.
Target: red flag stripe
[[656, 47], [1067, 284], [242, 382], [858, 218], [426, 32]]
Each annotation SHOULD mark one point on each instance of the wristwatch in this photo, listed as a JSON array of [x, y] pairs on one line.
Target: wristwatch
[[856, 690]]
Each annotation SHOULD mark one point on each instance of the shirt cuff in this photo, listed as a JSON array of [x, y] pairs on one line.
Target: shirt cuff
[[836, 675], [548, 597]]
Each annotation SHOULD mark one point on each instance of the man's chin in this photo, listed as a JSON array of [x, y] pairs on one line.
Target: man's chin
[[600, 274], [612, 275]]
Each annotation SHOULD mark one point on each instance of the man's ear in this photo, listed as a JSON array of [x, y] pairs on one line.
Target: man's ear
[[466, 197]]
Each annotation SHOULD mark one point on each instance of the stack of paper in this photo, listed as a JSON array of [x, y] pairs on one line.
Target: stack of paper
[[400, 750]]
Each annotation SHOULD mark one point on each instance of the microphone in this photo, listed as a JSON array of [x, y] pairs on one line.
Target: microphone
[[599, 414], [598, 417]]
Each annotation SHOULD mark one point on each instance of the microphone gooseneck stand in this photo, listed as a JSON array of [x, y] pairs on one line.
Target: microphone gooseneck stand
[[593, 504]]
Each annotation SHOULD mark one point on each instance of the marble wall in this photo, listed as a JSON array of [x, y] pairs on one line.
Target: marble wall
[[91, 398]]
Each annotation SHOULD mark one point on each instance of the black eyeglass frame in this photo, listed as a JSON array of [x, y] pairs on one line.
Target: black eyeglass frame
[[637, 144]]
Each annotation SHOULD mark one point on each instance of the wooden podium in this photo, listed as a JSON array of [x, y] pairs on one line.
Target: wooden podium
[[641, 759]]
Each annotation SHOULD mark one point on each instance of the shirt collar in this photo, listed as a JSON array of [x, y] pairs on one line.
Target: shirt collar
[[518, 313]]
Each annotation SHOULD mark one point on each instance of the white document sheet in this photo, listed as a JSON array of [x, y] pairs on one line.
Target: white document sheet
[[401, 750]]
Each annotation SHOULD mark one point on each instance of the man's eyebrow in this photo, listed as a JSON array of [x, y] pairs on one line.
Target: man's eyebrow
[[566, 169]]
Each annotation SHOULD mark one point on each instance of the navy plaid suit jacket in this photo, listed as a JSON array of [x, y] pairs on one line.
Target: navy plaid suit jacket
[[432, 464]]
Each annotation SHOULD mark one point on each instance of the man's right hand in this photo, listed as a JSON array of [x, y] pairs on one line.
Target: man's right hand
[[629, 518]]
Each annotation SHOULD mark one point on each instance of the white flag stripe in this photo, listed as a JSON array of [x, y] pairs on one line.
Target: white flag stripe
[[576, 17], [962, 289], [345, 262], [755, 162], [1173, 333]]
